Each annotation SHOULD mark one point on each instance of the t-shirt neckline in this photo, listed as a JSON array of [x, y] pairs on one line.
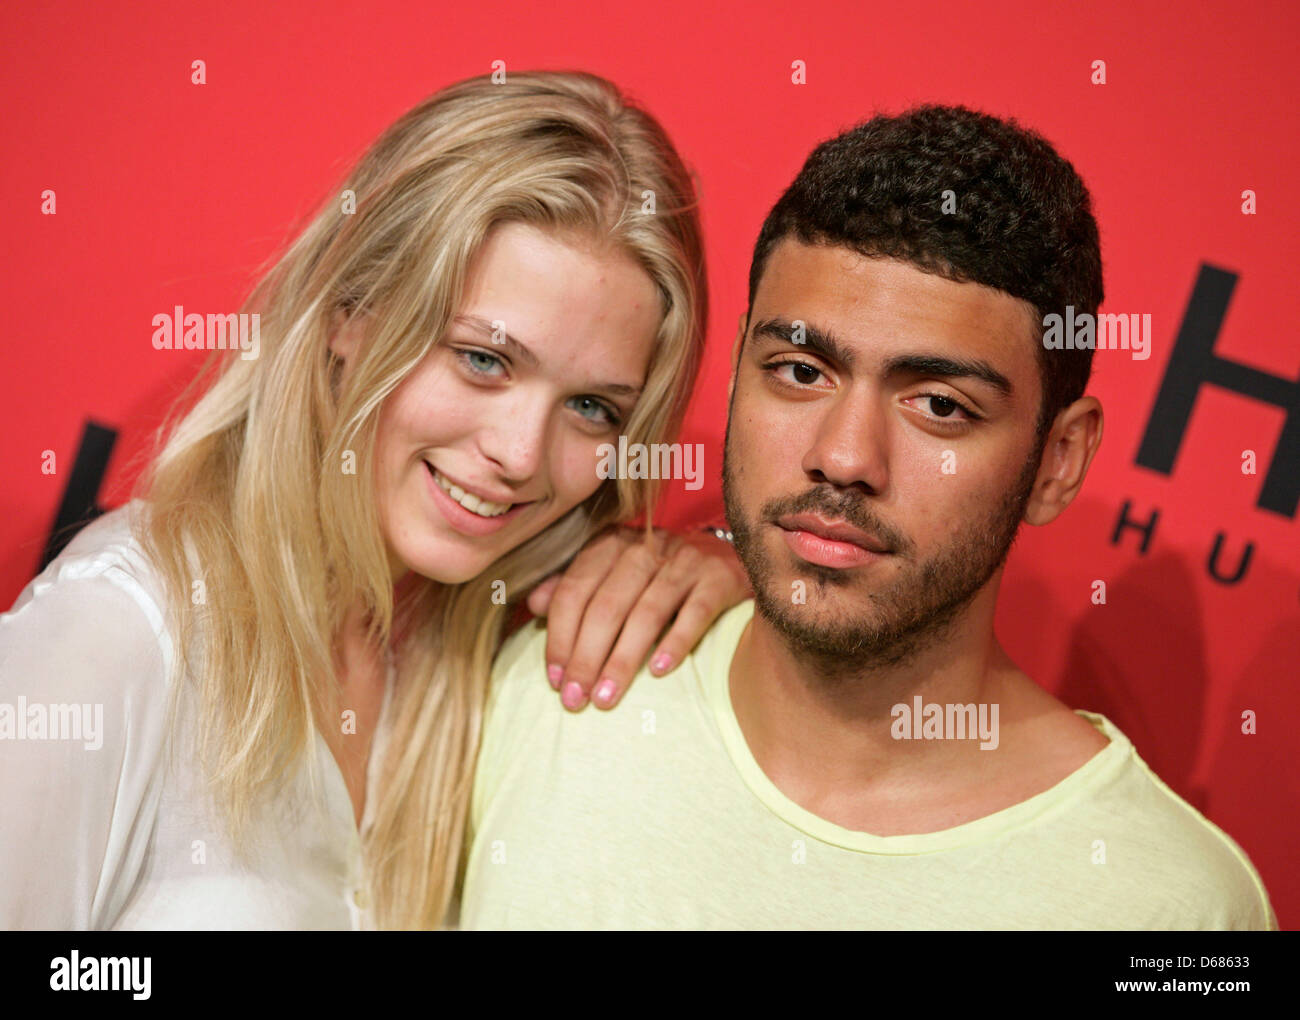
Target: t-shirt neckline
[[713, 665]]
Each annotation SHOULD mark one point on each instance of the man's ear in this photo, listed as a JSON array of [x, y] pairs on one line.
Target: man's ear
[[1071, 445], [736, 345], [346, 332]]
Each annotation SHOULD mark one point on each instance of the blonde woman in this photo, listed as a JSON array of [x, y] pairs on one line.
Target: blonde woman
[[275, 661]]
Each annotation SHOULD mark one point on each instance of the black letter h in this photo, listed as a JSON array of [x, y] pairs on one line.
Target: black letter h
[[1193, 363]]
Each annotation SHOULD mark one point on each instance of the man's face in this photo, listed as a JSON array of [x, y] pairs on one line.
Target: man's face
[[878, 464]]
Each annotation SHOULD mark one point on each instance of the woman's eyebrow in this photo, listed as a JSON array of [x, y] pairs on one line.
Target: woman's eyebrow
[[498, 339], [503, 339]]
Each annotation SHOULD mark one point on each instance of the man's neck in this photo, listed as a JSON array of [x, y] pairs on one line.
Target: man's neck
[[829, 739]]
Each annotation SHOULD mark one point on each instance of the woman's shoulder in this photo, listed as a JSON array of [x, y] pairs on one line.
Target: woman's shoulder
[[101, 576], [86, 722]]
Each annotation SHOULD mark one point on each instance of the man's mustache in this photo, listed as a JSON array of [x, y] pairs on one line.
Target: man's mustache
[[848, 508]]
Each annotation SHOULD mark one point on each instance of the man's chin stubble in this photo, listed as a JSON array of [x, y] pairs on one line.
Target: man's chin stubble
[[832, 650], [931, 603]]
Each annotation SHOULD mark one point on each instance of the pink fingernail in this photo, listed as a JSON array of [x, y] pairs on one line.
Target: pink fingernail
[[573, 696], [555, 674], [661, 662], [604, 692]]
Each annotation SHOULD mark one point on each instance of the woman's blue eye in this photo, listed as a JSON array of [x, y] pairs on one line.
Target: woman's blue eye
[[594, 410], [480, 361], [483, 363]]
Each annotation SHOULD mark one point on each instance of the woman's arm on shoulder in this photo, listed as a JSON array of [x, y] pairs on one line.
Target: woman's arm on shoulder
[[606, 610]]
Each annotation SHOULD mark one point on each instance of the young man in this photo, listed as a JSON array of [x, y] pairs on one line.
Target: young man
[[854, 749]]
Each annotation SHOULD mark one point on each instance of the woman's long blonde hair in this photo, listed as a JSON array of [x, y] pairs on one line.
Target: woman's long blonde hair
[[248, 494]]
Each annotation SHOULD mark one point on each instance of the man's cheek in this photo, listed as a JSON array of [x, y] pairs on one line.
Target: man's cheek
[[940, 514], [924, 502]]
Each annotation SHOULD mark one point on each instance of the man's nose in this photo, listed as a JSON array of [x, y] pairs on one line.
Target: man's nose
[[850, 444]]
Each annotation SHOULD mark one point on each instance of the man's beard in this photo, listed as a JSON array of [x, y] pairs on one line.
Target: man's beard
[[906, 616]]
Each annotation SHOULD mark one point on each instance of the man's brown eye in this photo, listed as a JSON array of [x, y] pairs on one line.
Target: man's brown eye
[[805, 373], [942, 406]]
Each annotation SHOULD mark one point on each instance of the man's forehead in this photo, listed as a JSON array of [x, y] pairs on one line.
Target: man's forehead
[[886, 302]]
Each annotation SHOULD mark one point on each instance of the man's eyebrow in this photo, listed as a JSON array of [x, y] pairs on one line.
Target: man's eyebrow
[[827, 345], [821, 342], [485, 327], [953, 368]]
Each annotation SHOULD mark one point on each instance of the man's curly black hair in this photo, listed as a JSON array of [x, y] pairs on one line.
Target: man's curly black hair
[[1022, 223]]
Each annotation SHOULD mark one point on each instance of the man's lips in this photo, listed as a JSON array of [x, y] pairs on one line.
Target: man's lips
[[832, 530], [829, 543]]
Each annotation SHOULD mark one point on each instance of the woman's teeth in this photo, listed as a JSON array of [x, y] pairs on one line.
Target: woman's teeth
[[469, 501]]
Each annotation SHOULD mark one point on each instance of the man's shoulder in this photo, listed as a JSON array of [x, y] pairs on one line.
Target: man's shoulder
[[521, 661], [524, 714], [1158, 838], [522, 652], [518, 689]]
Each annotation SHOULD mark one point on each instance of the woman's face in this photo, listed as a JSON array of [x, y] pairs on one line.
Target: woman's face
[[495, 434]]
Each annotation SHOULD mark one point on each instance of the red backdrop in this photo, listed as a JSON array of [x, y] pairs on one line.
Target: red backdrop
[[170, 193]]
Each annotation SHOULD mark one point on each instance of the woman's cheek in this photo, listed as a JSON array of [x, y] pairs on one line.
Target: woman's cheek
[[434, 393], [579, 464]]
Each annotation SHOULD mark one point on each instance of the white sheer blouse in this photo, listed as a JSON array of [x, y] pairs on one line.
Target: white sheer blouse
[[99, 826]]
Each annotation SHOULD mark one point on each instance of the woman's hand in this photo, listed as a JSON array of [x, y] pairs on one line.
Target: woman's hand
[[617, 596]]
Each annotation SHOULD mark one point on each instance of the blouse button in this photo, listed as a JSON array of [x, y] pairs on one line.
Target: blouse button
[[360, 899]]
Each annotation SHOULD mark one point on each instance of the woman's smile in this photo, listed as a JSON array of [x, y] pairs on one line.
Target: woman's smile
[[466, 511]]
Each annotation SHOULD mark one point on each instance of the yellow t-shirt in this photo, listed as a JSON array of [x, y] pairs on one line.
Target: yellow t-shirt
[[655, 815]]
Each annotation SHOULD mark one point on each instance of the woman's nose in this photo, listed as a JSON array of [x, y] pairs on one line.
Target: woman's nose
[[516, 442]]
